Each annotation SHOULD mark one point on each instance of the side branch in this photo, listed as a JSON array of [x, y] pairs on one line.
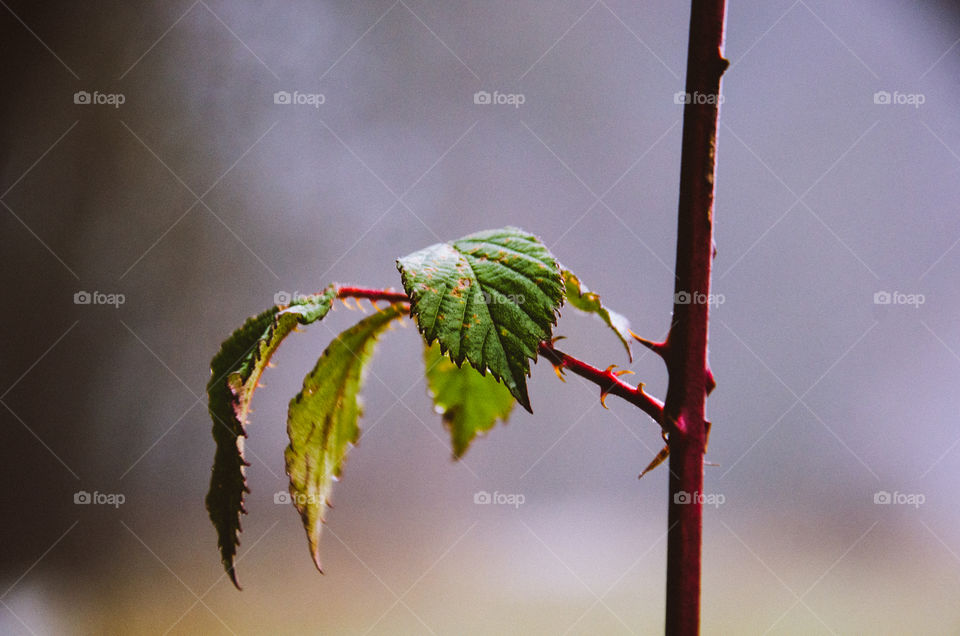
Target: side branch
[[608, 381], [387, 295]]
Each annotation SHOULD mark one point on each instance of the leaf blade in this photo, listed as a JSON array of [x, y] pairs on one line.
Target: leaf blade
[[587, 301], [469, 402], [488, 298], [323, 420], [234, 373]]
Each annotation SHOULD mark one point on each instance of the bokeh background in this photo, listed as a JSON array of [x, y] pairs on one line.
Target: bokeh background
[[199, 198]]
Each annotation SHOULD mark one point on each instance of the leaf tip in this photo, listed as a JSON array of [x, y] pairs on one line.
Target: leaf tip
[[316, 560], [232, 573]]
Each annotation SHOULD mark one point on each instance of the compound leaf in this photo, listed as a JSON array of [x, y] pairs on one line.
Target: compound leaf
[[489, 298], [234, 373], [322, 420], [587, 301], [469, 402]]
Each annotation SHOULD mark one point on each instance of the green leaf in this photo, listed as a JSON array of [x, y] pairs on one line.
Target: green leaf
[[234, 374], [469, 402], [322, 420], [488, 298], [587, 301]]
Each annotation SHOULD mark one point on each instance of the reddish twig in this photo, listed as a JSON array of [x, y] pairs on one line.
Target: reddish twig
[[608, 380], [387, 295], [686, 349]]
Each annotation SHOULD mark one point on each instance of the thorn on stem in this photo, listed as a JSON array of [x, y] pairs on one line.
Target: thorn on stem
[[659, 459], [659, 348], [558, 369]]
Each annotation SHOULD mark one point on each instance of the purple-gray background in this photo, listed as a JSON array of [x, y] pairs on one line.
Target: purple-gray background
[[199, 198]]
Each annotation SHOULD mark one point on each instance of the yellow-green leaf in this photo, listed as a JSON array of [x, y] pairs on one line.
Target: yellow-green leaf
[[587, 301], [469, 402], [322, 420]]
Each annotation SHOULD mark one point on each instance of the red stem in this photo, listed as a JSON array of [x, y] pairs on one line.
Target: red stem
[[686, 351], [607, 380], [387, 295]]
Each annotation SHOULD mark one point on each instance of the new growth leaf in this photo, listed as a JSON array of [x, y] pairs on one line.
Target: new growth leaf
[[587, 301]]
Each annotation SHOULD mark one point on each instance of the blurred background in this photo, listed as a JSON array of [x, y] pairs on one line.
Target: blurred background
[[146, 166]]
